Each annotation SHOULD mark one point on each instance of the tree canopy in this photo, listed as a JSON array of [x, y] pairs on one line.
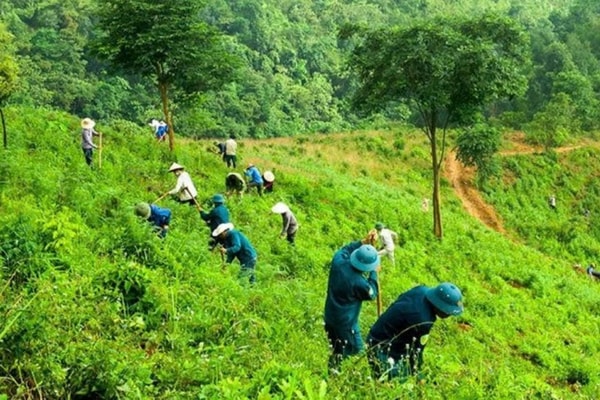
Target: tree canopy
[[291, 78], [166, 41], [8, 65], [446, 69], [8, 73]]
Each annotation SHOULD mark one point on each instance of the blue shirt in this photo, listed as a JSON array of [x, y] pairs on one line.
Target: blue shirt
[[254, 175], [159, 216], [347, 288]]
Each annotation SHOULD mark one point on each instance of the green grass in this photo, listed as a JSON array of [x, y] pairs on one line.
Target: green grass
[[94, 305]]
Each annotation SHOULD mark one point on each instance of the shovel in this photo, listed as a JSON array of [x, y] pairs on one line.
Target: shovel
[[99, 150], [161, 197], [379, 305], [198, 206]]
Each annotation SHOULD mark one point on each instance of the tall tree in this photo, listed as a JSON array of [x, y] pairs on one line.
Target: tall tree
[[168, 42], [447, 69], [8, 73]]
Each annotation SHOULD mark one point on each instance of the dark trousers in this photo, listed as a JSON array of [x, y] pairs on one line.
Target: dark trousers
[[344, 342], [88, 153], [230, 160], [258, 186], [291, 237], [190, 202], [247, 270]]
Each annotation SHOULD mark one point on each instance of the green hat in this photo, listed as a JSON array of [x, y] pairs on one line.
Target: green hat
[[142, 210], [447, 298], [379, 226], [218, 199], [365, 258]]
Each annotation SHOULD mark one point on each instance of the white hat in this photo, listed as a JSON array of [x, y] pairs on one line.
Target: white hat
[[175, 167], [154, 123], [269, 177], [280, 208], [87, 123], [222, 228]]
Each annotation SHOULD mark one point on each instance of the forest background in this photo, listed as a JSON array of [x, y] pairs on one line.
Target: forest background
[[93, 305], [292, 76]]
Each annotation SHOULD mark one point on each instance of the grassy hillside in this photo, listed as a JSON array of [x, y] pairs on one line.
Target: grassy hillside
[[95, 306]]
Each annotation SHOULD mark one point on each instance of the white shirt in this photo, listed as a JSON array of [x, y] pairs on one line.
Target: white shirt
[[184, 181], [387, 238], [230, 147]]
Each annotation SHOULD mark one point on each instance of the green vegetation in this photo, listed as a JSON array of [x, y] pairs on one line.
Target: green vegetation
[[476, 61], [167, 42], [292, 78], [94, 305]]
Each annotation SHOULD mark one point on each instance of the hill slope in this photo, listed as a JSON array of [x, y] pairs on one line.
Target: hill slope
[[95, 305]]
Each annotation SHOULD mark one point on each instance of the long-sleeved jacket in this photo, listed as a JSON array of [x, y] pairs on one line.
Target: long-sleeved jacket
[[290, 224], [254, 174], [404, 327], [388, 237], [230, 147], [347, 288], [184, 181], [159, 216], [238, 245], [234, 181], [217, 216], [86, 138]]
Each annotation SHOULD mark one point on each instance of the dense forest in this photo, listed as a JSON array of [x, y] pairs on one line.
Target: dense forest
[[291, 74]]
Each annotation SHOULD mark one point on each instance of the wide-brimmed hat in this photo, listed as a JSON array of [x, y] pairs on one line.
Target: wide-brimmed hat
[[280, 208], [250, 166], [87, 123], [447, 298], [175, 167], [222, 228], [154, 123], [218, 199], [365, 258], [142, 210], [269, 177]]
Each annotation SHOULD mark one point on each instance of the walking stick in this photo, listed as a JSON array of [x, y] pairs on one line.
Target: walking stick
[[99, 150], [161, 197], [198, 206], [219, 248], [379, 306], [223, 265]]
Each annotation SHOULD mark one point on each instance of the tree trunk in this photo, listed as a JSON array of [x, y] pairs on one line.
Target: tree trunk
[[4, 138], [164, 98], [436, 166]]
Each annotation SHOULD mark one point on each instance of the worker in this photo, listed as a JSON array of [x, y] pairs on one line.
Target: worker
[[236, 245], [218, 215], [290, 224], [388, 239], [184, 188], [159, 217], [397, 339], [352, 280]]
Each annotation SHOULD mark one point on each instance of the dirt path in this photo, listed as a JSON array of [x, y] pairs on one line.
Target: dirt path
[[462, 179]]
